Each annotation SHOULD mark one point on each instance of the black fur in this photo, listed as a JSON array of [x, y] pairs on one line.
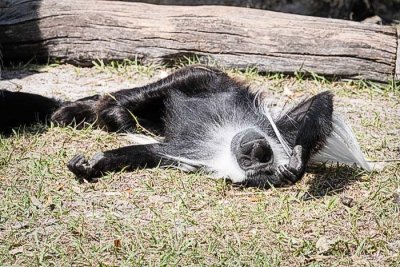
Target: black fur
[[23, 108], [201, 112]]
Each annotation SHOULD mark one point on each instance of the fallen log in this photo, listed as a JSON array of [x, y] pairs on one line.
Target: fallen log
[[81, 31]]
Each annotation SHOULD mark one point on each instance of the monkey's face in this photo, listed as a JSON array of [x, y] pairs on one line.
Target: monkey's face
[[254, 155]]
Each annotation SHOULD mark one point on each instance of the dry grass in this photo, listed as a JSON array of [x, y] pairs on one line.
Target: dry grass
[[333, 217]]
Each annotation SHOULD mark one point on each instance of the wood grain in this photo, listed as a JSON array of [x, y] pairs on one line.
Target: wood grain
[[397, 71], [81, 31]]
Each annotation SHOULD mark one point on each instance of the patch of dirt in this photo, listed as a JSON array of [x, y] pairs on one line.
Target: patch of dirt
[[70, 83]]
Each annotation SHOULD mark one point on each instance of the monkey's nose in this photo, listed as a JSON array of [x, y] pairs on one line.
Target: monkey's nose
[[251, 149]]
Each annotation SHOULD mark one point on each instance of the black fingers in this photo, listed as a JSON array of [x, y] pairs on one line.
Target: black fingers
[[294, 171], [78, 165], [94, 168]]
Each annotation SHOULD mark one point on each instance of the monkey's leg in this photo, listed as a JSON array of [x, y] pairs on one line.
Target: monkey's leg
[[115, 111], [311, 123], [124, 158], [147, 103]]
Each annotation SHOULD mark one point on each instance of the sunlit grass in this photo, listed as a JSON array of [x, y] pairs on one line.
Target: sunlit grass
[[162, 217]]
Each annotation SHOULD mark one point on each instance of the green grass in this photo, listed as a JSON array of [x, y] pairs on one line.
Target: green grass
[[125, 67], [163, 217]]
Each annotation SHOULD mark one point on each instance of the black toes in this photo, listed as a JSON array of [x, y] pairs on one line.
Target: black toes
[[75, 113]]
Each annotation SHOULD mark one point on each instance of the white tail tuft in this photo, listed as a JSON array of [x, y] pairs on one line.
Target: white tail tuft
[[341, 146]]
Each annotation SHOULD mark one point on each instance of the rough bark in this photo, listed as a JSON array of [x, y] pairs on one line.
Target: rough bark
[[397, 71], [80, 31], [349, 9], [357, 10]]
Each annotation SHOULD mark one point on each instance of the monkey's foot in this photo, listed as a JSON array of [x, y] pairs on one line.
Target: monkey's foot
[[75, 113]]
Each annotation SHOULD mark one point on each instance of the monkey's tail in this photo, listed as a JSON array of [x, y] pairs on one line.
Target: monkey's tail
[[18, 108], [341, 146]]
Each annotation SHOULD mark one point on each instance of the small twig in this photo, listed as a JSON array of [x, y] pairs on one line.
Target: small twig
[[17, 85], [385, 160]]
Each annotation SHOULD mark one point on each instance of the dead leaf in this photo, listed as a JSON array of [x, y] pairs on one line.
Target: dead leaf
[[16, 250], [347, 201], [117, 243], [36, 202], [20, 225], [396, 198], [324, 244]]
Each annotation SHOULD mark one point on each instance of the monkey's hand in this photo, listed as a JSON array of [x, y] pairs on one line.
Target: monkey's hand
[[293, 171], [85, 169]]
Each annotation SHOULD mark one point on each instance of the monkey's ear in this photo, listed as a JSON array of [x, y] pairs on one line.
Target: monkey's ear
[[322, 102], [289, 123]]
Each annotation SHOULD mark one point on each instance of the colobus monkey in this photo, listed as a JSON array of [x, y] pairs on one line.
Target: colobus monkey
[[209, 120]]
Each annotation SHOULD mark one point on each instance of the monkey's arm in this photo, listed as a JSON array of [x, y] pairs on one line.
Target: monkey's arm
[[124, 158], [306, 127]]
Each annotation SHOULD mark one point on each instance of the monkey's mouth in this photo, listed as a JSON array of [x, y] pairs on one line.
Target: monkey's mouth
[[262, 177], [260, 171]]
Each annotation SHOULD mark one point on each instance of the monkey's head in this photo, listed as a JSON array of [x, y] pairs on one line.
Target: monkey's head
[[255, 156]]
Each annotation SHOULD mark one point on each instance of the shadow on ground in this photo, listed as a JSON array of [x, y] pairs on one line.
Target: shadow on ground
[[331, 180], [14, 17]]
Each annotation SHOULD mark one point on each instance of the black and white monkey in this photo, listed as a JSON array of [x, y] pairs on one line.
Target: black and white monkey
[[209, 120]]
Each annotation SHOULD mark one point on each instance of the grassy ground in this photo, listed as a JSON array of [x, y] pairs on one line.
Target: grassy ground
[[333, 217]]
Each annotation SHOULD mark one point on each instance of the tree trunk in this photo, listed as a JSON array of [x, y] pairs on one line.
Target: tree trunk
[[81, 31]]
